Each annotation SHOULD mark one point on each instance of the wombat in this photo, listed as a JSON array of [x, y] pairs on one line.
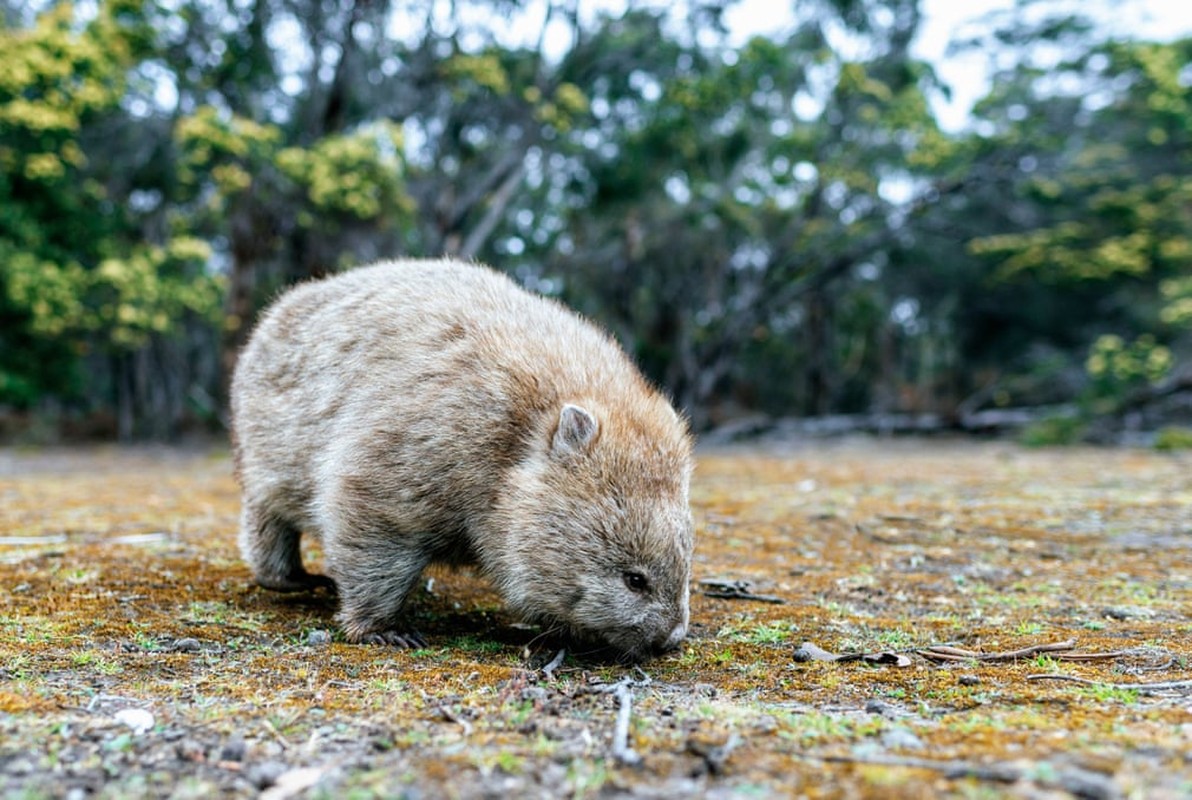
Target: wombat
[[413, 412]]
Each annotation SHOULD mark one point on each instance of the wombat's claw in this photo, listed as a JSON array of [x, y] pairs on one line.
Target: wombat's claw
[[410, 640], [300, 582]]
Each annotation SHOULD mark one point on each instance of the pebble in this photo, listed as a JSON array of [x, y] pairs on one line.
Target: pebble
[[318, 638], [138, 719], [233, 750], [879, 707], [187, 645], [265, 774], [534, 693], [901, 739]]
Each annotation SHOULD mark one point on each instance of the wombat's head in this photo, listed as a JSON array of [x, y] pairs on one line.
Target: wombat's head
[[597, 532]]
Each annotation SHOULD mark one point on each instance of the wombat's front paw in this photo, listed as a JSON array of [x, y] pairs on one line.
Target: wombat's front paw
[[298, 581], [411, 640]]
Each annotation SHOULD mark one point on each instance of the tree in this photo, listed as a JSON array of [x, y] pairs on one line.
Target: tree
[[1101, 213], [76, 277]]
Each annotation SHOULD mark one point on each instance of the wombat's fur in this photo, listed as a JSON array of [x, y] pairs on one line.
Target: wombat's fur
[[421, 411]]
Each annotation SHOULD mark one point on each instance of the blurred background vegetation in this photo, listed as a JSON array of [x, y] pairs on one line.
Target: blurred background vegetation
[[775, 228]]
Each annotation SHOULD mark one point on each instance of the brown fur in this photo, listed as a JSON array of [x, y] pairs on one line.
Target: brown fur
[[421, 411]]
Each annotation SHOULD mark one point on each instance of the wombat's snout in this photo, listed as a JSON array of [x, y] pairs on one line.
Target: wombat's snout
[[672, 640]]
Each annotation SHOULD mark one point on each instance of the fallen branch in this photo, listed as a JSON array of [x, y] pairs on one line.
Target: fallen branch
[[1145, 688], [726, 589], [946, 653], [622, 752], [548, 670], [785, 428]]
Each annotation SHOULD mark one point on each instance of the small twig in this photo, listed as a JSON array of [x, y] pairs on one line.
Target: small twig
[[735, 590], [948, 652], [451, 716], [1001, 773], [1111, 654], [958, 654], [622, 752], [1157, 686], [1027, 652], [549, 670], [613, 688], [285, 745]]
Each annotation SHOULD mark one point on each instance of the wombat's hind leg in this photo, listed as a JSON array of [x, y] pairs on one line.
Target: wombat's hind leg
[[270, 546]]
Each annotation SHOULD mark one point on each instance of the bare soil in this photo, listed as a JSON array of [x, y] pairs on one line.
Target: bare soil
[[138, 660]]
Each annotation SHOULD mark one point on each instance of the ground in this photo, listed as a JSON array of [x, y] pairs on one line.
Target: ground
[[137, 659]]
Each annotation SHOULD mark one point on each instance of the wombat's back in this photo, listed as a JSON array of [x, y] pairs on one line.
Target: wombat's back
[[440, 369]]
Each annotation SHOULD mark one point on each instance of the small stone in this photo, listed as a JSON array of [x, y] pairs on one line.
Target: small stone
[[318, 638], [534, 694], [191, 750], [19, 766], [138, 719], [265, 774], [187, 645], [879, 707], [233, 750], [901, 739]]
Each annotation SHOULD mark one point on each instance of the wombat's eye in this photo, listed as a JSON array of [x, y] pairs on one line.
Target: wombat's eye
[[636, 581]]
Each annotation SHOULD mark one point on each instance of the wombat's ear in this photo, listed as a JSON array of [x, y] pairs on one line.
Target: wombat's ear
[[576, 432]]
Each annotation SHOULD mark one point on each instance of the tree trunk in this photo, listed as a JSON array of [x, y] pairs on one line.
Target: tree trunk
[[817, 326], [238, 315]]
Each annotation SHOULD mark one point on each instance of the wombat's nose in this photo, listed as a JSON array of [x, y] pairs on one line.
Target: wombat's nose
[[674, 638]]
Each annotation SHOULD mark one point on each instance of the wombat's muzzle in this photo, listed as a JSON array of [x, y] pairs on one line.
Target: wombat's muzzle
[[672, 640]]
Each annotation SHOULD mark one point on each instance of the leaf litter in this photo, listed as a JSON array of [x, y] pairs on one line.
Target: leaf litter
[[995, 619]]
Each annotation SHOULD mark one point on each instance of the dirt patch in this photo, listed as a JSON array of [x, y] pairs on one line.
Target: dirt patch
[[137, 659]]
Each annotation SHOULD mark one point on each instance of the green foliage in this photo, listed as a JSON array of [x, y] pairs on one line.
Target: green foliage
[[55, 79], [1055, 430], [1173, 438], [358, 174], [1114, 208], [1117, 368], [223, 147], [1177, 293], [152, 291]]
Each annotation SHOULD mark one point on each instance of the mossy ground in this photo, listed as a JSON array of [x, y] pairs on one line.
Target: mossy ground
[[121, 588]]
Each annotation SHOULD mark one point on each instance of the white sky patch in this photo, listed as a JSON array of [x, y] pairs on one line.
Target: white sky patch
[[968, 74]]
